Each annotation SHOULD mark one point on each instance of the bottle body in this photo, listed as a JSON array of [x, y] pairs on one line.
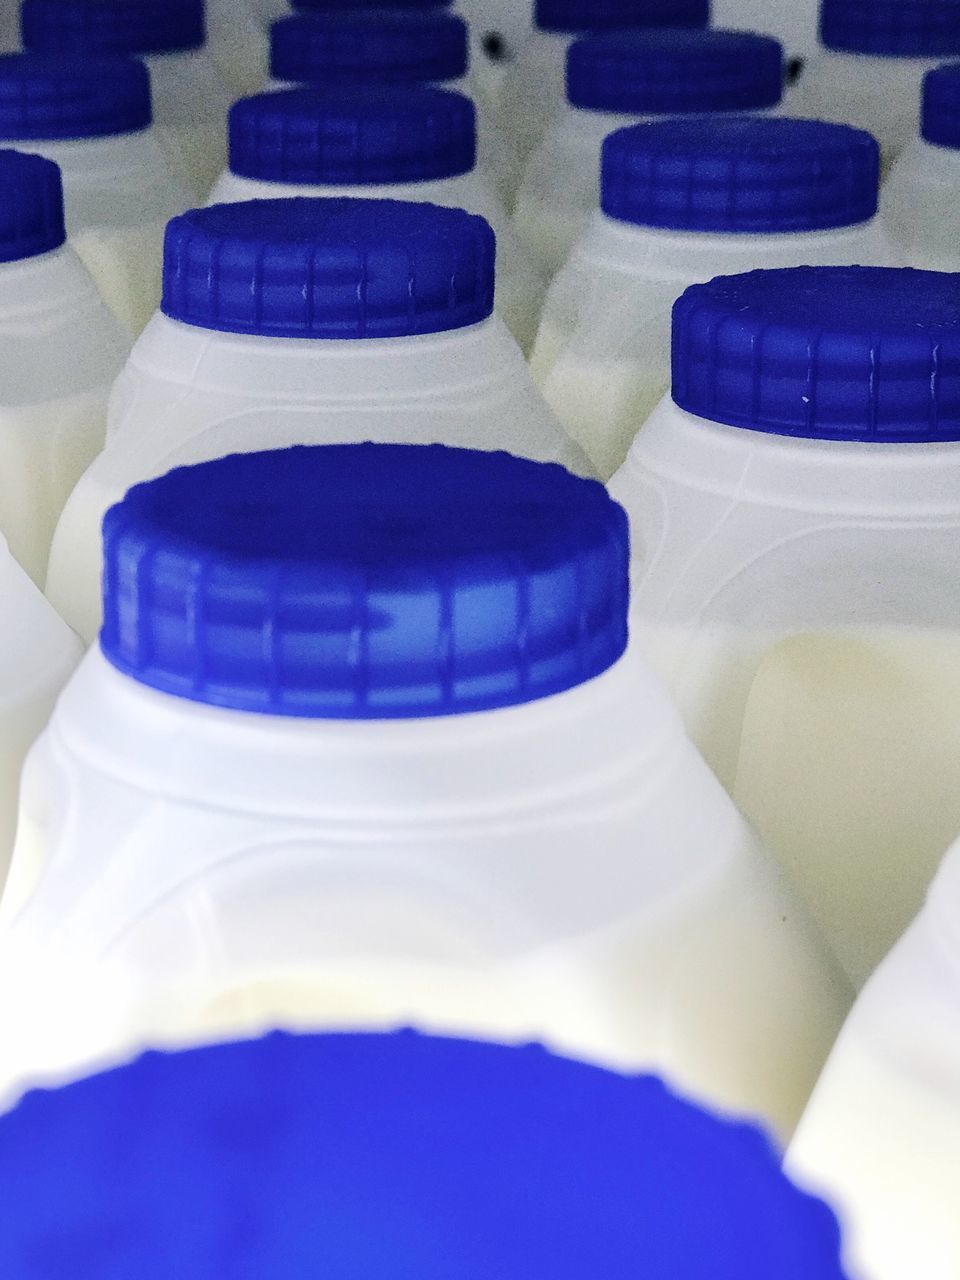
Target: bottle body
[[792, 593], [190, 105], [533, 89], [919, 207]]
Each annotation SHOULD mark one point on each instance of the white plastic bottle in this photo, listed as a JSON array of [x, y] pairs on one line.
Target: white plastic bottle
[[793, 22], [621, 79], [92, 117], [882, 1130], [239, 43], [359, 48], [685, 200], [360, 742], [308, 321], [190, 99], [397, 1155], [919, 196], [796, 516], [534, 86], [872, 60], [398, 143], [60, 350]]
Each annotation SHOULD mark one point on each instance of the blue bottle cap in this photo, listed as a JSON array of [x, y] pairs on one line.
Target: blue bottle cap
[[31, 206], [396, 1156], [892, 28], [940, 122], [353, 136], [328, 268], [671, 71], [365, 582], [829, 353], [369, 48], [47, 97], [140, 27], [616, 15], [740, 174]]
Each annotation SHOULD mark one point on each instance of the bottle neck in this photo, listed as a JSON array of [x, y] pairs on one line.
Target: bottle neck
[[49, 289]]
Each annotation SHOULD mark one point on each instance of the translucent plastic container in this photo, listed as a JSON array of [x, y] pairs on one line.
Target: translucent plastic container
[[871, 65], [920, 195], [883, 1128], [60, 350], [796, 516], [430, 1144], [793, 22], [394, 47], [685, 200], [239, 43], [93, 118], [360, 743], [312, 334], [398, 143], [621, 79], [534, 86], [190, 99]]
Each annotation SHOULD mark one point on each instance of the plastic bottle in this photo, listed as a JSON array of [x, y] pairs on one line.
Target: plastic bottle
[[796, 514], [398, 143], [360, 743], [793, 22], [534, 87], [92, 118], [327, 321], [870, 67], [239, 43], [685, 200], [190, 99], [919, 196], [621, 79], [60, 352], [394, 1155], [882, 1129], [359, 48]]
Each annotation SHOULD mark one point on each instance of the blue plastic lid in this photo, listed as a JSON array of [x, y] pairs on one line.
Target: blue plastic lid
[[394, 47], [353, 136], [140, 27], [671, 71], [940, 121], [31, 206], [740, 174], [394, 1156], [328, 268], [830, 353], [45, 97], [614, 15], [892, 28], [365, 582]]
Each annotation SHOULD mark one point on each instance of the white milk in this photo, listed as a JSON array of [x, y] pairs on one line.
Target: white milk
[[622, 79], [566, 868], [882, 1130], [191, 392], [395, 47], [119, 188], [427, 125], [61, 350], [602, 354], [533, 88], [794, 591]]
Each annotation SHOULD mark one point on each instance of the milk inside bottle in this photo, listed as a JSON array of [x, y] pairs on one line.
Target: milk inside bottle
[[796, 515], [398, 1155], [327, 320], [60, 350], [398, 143], [620, 79], [685, 200], [92, 117], [533, 88], [359, 48], [882, 1131], [190, 99], [919, 204], [873, 57], [239, 43], [416, 778]]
